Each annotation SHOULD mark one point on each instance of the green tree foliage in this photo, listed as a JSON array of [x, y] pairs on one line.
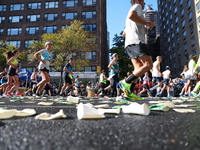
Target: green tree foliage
[[125, 64], [72, 39]]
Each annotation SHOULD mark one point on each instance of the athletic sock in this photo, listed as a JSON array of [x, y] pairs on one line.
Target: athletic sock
[[130, 78]]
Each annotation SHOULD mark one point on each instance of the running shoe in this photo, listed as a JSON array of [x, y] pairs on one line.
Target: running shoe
[[169, 96], [18, 94], [6, 95], [193, 94], [132, 96], [126, 87], [180, 95], [10, 94]]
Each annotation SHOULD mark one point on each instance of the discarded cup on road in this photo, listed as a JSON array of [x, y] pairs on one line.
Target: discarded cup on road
[[86, 112], [5, 113], [159, 107], [101, 106], [47, 116], [135, 108], [73, 99], [109, 111], [25, 112]]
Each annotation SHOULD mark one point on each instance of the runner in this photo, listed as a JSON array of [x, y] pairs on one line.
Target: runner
[[136, 47], [45, 58], [67, 77], [13, 63]]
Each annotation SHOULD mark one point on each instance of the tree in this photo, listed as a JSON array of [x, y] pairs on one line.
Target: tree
[[125, 64], [72, 39]]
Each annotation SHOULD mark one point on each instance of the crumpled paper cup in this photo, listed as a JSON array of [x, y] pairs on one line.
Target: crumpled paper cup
[[47, 116], [5, 113], [86, 112], [159, 107], [135, 108], [109, 111], [73, 99], [25, 112]]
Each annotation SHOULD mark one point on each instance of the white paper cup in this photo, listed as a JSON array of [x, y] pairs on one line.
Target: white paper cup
[[135, 108], [5, 114], [47, 116], [73, 99], [25, 112], [109, 111], [86, 112]]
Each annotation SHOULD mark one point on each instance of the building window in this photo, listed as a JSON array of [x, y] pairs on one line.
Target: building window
[[182, 12], [90, 55], [13, 19], [50, 17], [74, 55], [89, 2], [176, 20], [193, 41], [51, 5], [70, 3], [181, 2], [184, 34], [175, 10], [28, 43], [172, 35], [1, 31], [89, 15], [185, 46], [198, 6], [190, 16], [50, 29], [14, 7], [2, 7], [177, 30], [14, 43], [2, 19], [189, 3], [66, 16], [34, 5], [192, 27], [90, 68], [64, 26], [32, 30], [33, 18], [14, 31], [183, 23], [198, 20], [90, 27], [172, 25]]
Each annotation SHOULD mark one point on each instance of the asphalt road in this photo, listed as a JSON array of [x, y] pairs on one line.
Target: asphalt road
[[158, 131]]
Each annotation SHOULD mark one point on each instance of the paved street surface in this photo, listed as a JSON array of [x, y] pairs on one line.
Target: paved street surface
[[159, 130]]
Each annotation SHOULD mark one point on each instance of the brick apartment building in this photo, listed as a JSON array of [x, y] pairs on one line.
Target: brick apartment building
[[22, 21]]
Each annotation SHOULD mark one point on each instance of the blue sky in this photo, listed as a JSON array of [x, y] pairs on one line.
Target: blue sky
[[116, 14]]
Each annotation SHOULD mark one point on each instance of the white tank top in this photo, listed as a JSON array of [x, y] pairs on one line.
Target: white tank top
[[155, 72]]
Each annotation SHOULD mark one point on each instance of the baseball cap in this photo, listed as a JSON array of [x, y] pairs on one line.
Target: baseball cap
[[49, 42], [192, 56], [115, 54], [167, 67]]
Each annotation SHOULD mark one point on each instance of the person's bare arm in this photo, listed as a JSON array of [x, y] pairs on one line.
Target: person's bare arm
[[38, 57], [113, 62], [134, 17]]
